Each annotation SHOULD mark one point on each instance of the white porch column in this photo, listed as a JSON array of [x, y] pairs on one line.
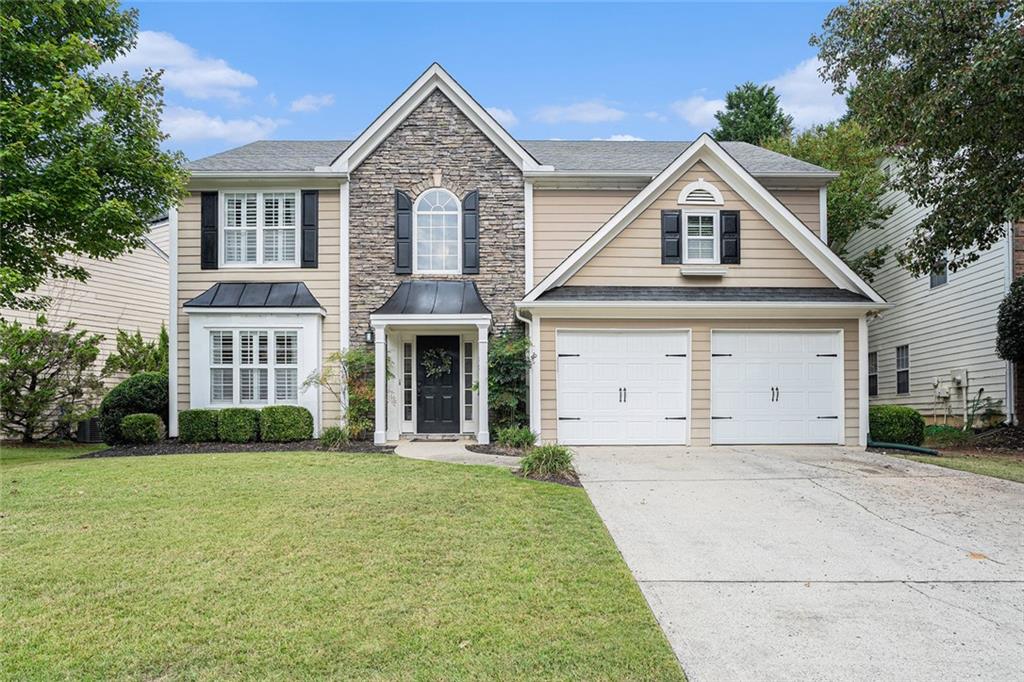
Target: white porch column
[[380, 398], [483, 435]]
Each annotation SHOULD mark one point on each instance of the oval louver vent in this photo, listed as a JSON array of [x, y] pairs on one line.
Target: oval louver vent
[[700, 196]]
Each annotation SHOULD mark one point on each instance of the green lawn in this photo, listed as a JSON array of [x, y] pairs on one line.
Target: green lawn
[[1000, 466], [43, 453], [302, 565]]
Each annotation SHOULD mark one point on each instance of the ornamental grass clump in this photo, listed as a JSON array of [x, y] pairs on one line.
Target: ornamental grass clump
[[548, 461]]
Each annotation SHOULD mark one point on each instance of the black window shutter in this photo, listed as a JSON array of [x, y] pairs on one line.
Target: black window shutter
[[310, 223], [403, 233], [471, 233], [208, 231], [671, 237], [729, 225]]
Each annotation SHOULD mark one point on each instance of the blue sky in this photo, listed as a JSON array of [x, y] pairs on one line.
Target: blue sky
[[237, 72]]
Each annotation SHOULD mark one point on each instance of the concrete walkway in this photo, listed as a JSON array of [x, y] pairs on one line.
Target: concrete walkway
[[819, 563], [451, 452]]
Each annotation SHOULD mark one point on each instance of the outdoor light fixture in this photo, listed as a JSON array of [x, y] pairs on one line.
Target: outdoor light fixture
[[369, 336]]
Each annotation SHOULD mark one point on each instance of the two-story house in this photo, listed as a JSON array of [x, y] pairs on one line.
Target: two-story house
[[673, 292]]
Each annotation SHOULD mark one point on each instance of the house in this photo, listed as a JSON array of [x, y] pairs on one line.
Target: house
[[935, 349], [672, 292]]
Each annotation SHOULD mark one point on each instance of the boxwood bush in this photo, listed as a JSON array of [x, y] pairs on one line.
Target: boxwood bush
[[238, 424], [142, 428], [198, 426], [547, 460], [895, 424], [519, 437], [141, 393], [283, 423]]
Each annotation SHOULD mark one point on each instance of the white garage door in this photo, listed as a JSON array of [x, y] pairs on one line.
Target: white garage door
[[776, 387], [622, 387]]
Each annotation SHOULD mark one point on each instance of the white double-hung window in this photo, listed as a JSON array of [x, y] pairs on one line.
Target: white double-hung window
[[245, 363], [260, 228], [701, 232]]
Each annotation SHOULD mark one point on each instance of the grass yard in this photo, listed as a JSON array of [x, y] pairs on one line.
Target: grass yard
[[303, 565], [1010, 467]]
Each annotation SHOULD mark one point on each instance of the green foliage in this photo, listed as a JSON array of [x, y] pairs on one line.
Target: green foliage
[[83, 171], [939, 86], [853, 197], [145, 392], [45, 380], [547, 460], [134, 354], [142, 428], [752, 114], [508, 367], [238, 424], [943, 435], [519, 437], [355, 369], [981, 406], [334, 438], [895, 424], [198, 426], [284, 423], [1010, 326]]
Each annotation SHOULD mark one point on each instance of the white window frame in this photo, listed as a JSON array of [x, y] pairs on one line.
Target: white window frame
[[902, 369], [236, 365], [715, 237], [872, 372], [458, 234], [260, 227]]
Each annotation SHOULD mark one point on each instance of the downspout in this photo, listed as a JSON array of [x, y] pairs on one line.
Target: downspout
[[534, 358]]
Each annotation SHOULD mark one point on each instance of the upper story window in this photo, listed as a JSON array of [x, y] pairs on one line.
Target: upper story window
[[939, 275], [260, 228], [436, 220], [701, 234]]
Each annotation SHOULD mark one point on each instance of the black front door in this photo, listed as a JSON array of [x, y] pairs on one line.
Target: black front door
[[437, 384]]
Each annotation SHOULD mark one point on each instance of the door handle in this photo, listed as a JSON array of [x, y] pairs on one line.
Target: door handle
[[620, 395], [625, 395], [777, 394]]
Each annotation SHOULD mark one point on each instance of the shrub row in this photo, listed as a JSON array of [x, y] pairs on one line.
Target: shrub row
[[272, 424], [143, 427], [895, 424]]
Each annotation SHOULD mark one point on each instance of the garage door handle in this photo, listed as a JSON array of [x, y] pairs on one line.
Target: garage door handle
[[675, 355], [828, 355], [721, 355], [568, 355], [830, 417], [676, 418], [568, 419], [721, 417]]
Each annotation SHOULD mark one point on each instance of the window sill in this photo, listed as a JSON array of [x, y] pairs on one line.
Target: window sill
[[696, 270]]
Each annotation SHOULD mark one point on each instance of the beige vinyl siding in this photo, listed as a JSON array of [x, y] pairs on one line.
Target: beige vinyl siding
[[700, 364], [805, 205], [950, 327], [127, 293], [564, 219], [323, 282], [633, 258]]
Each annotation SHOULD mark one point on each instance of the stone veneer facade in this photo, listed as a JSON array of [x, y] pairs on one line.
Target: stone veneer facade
[[435, 146]]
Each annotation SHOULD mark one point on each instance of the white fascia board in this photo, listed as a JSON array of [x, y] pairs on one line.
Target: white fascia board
[[434, 78], [698, 309], [268, 174], [255, 311], [428, 319]]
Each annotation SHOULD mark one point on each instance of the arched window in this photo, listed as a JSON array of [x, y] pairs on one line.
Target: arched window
[[701, 193], [437, 218]]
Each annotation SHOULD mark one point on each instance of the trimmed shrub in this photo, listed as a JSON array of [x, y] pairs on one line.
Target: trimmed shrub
[[519, 437], [284, 423], [198, 426], [238, 424], [141, 428], [334, 438], [896, 424], [141, 393], [547, 460]]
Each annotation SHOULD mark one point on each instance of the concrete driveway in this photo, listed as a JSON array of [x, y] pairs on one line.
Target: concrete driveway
[[819, 563]]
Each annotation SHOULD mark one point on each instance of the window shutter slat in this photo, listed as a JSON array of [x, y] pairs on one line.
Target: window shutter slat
[[729, 222], [671, 237], [208, 231], [403, 233], [310, 228], [471, 233]]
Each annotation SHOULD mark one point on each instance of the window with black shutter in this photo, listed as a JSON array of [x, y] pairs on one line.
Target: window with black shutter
[[671, 237]]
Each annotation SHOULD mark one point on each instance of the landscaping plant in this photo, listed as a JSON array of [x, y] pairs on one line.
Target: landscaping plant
[[1010, 325], [144, 392], [137, 429], [198, 426], [334, 438], [518, 437], [285, 423], [547, 460], [46, 382], [895, 424], [354, 369], [238, 424], [134, 354], [509, 359]]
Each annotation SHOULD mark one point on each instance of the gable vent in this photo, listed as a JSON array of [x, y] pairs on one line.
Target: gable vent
[[700, 196], [701, 193]]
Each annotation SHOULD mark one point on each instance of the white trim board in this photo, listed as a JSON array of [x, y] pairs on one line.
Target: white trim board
[[761, 200]]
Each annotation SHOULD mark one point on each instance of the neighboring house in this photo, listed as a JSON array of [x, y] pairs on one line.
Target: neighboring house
[[673, 292], [129, 292], [936, 348]]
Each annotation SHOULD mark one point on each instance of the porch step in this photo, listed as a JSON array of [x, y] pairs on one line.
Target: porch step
[[436, 438]]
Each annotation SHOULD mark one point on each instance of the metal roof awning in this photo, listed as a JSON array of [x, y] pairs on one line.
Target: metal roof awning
[[434, 297], [255, 295]]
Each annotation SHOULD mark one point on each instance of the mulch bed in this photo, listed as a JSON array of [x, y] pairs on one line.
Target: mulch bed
[[173, 447], [1006, 438], [495, 449]]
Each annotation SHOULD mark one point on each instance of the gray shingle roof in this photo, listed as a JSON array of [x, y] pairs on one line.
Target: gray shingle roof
[[717, 294], [434, 297], [255, 295], [564, 155]]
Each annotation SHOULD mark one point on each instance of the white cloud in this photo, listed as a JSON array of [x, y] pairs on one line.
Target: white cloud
[[698, 111], [656, 116], [271, 99], [184, 70], [621, 137], [505, 117], [593, 111], [185, 125], [806, 97], [312, 102]]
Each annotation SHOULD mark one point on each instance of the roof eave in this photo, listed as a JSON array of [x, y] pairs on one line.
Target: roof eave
[[267, 174]]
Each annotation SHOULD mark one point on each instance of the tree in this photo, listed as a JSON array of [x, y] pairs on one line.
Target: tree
[[1010, 325], [940, 85], [752, 114], [853, 197], [45, 379], [134, 354], [83, 172]]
